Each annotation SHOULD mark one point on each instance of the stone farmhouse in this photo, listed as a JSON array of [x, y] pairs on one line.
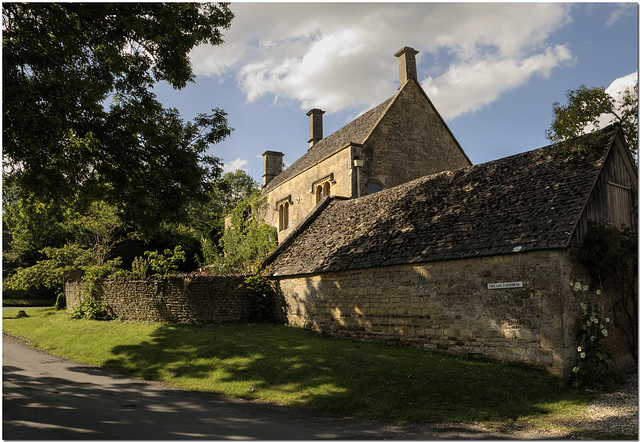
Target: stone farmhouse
[[399, 140], [388, 233]]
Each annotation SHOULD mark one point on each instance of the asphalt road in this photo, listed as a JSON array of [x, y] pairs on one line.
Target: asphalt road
[[49, 397]]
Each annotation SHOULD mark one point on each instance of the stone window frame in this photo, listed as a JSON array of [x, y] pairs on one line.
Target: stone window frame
[[374, 181], [282, 207], [322, 187]]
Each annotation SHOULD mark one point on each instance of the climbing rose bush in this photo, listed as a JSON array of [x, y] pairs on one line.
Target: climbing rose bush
[[592, 352]]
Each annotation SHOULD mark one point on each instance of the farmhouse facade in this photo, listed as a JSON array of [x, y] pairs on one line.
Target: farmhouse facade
[[399, 140]]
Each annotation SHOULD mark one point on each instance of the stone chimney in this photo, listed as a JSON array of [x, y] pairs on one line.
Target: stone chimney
[[407, 64], [271, 166], [315, 126]]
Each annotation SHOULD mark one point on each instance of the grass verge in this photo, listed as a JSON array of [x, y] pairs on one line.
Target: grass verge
[[299, 368]]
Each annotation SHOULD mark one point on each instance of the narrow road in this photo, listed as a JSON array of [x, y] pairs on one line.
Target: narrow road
[[49, 397]]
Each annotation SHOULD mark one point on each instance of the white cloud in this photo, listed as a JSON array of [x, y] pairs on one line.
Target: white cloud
[[620, 12], [622, 84], [340, 56], [234, 165], [616, 89], [467, 87]]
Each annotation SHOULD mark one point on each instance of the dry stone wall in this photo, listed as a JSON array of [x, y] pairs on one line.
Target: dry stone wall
[[171, 299], [450, 306]]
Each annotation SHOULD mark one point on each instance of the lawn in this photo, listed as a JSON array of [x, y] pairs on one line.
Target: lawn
[[299, 368]]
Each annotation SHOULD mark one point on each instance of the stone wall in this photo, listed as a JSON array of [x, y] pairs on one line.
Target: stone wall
[[449, 306], [172, 299]]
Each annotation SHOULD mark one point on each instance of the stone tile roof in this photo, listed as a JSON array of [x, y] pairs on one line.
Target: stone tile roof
[[356, 131], [529, 201]]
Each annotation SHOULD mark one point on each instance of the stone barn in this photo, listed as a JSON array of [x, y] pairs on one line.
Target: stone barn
[[472, 260]]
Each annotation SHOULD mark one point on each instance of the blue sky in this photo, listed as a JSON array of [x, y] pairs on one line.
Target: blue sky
[[492, 70]]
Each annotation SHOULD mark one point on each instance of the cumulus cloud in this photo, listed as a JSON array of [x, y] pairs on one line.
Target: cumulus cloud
[[234, 165], [617, 89], [340, 56], [623, 84], [468, 86]]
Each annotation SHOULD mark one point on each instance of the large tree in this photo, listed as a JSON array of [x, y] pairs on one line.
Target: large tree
[[80, 122], [587, 109]]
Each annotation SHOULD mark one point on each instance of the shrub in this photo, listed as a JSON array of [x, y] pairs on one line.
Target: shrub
[[592, 369], [91, 309], [61, 302], [248, 239], [611, 256], [167, 263], [140, 267], [263, 299]]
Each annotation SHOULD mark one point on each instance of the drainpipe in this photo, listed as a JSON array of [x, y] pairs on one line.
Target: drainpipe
[[357, 164]]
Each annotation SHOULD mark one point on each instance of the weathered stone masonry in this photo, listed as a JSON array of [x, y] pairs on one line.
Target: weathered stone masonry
[[447, 306], [172, 299]]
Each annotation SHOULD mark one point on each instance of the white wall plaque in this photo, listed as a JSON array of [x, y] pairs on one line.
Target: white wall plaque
[[505, 285]]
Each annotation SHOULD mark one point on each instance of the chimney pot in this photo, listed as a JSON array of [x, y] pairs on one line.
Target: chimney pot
[[315, 126], [407, 64]]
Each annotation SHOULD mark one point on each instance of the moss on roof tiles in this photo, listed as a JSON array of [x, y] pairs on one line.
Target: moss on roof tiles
[[529, 201]]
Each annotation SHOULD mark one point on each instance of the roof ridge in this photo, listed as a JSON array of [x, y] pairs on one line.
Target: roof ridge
[[435, 175]]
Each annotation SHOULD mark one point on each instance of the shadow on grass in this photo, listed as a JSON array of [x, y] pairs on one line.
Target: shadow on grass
[[300, 368]]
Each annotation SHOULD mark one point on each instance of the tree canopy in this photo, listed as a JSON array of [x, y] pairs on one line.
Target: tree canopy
[[80, 123], [588, 109]]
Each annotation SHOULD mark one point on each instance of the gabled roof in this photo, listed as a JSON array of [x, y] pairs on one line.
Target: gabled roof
[[356, 131], [529, 201]]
